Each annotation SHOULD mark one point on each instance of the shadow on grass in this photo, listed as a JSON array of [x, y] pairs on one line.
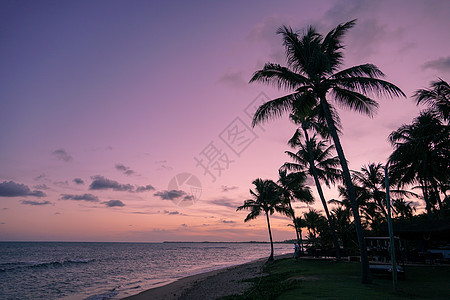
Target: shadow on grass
[[311, 279]]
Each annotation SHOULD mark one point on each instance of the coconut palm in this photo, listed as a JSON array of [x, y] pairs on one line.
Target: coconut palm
[[371, 178], [312, 73], [318, 159], [292, 187], [299, 223], [437, 98], [267, 199], [422, 155]]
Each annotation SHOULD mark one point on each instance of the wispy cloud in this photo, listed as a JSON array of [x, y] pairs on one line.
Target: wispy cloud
[[41, 187], [440, 64], [225, 202], [125, 170], [84, 197], [102, 183], [226, 188], [12, 189], [144, 188], [235, 79], [114, 203], [35, 203], [172, 195], [228, 221], [78, 181], [61, 154]]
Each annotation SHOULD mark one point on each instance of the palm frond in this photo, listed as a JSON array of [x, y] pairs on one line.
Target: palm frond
[[273, 109], [368, 85], [278, 76], [366, 70], [355, 101]]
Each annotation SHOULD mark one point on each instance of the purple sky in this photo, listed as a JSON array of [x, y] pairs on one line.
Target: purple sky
[[104, 102]]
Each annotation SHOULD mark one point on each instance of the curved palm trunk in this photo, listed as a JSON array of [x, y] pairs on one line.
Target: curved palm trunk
[[299, 239], [322, 197], [365, 272], [271, 241]]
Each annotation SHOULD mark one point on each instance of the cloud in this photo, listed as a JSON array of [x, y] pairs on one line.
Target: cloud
[[171, 212], [171, 195], [144, 188], [102, 183], [228, 188], [41, 187], [42, 176], [84, 197], [114, 203], [225, 202], [61, 154], [235, 79], [12, 189], [228, 222], [35, 203], [125, 170], [184, 225], [78, 181], [266, 32], [440, 64]]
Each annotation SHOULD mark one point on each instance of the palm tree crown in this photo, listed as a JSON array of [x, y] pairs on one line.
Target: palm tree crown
[[267, 199]]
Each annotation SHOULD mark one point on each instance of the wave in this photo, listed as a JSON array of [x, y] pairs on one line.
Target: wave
[[38, 265]]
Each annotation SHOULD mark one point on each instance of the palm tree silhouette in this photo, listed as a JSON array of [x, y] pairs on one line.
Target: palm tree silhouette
[[267, 199], [292, 187], [317, 158], [313, 62], [299, 223], [437, 98], [422, 155]]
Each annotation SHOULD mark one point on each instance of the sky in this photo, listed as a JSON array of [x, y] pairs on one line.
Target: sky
[[130, 121]]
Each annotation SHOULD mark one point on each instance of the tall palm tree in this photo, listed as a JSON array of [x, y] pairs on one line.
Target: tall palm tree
[[422, 155], [292, 187], [312, 73], [267, 199], [317, 158], [437, 98], [299, 223]]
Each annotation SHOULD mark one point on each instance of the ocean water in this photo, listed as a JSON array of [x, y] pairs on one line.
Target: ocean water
[[52, 270]]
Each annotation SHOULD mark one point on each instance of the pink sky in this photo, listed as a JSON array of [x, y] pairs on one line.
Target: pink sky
[[123, 95]]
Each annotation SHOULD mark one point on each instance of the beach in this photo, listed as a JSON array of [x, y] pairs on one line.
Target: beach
[[209, 285]]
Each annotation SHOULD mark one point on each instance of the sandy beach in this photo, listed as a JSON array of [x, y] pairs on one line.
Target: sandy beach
[[209, 285]]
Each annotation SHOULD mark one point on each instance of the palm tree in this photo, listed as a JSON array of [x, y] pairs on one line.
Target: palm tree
[[267, 199], [437, 98], [403, 209], [312, 73], [299, 223], [317, 158], [292, 187], [422, 155], [371, 178]]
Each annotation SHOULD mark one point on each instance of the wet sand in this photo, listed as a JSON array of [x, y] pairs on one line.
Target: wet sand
[[209, 285]]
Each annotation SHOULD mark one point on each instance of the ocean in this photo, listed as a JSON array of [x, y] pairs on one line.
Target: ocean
[[94, 271]]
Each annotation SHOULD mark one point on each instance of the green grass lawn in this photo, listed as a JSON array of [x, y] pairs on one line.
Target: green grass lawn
[[312, 279]]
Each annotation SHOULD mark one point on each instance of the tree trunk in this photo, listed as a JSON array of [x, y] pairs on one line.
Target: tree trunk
[[295, 224], [438, 199], [322, 197], [271, 241], [365, 272]]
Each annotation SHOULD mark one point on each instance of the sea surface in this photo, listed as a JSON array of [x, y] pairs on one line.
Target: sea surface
[[63, 270]]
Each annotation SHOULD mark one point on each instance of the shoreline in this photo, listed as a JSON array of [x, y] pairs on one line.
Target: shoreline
[[208, 285]]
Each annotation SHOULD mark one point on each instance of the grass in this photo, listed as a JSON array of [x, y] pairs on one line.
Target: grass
[[312, 279]]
